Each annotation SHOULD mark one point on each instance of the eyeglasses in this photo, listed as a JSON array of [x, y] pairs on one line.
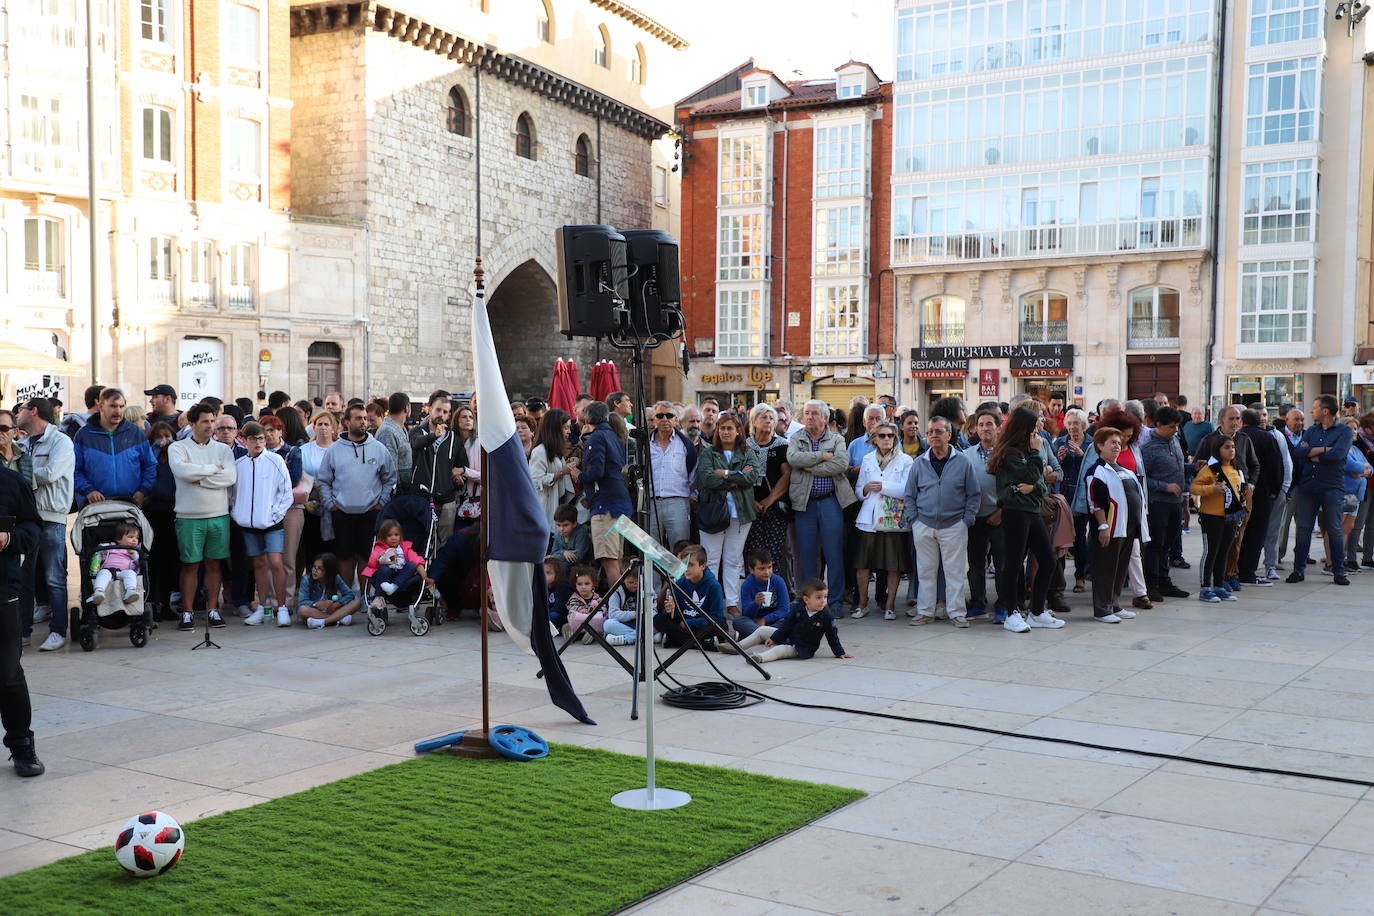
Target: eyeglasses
[[884, 436], [663, 416]]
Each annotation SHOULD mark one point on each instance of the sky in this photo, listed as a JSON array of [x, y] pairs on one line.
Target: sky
[[813, 36]]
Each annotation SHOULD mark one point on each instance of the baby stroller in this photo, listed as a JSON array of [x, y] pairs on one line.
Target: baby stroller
[[418, 525], [94, 531]]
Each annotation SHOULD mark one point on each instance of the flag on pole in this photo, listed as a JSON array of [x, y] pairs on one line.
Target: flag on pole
[[517, 530]]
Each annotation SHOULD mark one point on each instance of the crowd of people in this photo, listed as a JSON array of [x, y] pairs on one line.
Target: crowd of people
[[786, 523]]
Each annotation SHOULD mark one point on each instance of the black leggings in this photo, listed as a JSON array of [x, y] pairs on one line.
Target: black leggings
[[1025, 531], [1217, 536], [15, 713]]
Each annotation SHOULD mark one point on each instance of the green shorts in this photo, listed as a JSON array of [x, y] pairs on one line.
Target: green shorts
[[203, 538]]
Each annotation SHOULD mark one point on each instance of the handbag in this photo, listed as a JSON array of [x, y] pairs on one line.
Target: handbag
[[470, 506], [891, 515], [301, 491], [713, 515]]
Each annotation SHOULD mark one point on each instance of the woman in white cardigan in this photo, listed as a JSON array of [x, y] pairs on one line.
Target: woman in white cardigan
[[882, 475], [551, 470]]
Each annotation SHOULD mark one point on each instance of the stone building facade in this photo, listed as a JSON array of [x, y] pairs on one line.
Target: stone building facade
[[448, 148]]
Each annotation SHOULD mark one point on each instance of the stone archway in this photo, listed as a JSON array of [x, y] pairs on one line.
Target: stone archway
[[523, 310]]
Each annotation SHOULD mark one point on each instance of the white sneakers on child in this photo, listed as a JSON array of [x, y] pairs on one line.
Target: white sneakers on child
[[54, 641], [283, 617], [1045, 620], [388, 587], [1016, 623], [314, 623], [346, 621], [619, 641]]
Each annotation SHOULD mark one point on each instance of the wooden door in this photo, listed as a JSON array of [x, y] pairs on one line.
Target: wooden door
[[1146, 374]]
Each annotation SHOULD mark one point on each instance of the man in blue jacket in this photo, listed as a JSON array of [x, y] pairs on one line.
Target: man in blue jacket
[[603, 484], [113, 458], [1321, 453]]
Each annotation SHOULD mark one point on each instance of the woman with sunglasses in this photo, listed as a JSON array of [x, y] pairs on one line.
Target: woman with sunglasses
[[883, 546], [12, 454]]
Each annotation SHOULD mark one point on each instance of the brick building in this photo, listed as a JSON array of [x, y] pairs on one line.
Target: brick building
[[785, 227]]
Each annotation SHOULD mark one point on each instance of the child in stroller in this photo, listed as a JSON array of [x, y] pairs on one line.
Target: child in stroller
[[120, 561], [394, 568]]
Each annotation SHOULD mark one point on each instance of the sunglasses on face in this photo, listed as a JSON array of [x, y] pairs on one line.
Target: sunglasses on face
[[884, 436], [663, 416]]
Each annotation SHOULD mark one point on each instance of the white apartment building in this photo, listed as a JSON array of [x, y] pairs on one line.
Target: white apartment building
[[1053, 181]]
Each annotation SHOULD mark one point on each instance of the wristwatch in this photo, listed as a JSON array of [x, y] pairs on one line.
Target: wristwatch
[[1103, 527]]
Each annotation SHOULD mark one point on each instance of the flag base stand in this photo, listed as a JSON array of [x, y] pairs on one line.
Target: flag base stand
[[474, 746], [650, 799]]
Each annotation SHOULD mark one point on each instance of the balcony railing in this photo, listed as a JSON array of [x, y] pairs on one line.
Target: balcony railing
[[1034, 332], [202, 293], [162, 292], [1153, 332], [240, 297], [1050, 241], [45, 282], [942, 335]]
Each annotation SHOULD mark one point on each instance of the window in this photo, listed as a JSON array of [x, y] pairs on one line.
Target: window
[[942, 321], [638, 65], [755, 96], [543, 21], [660, 186], [242, 42], [739, 324], [837, 322], [238, 270], [1154, 317], [201, 289], [840, 163], [601, 47], [524, 137], [157, 134], [850, 88], [456, 113], [1280, 202], [1282, 102], [160, 277], [244, 142], [44, 264], [741, 170], [48, 144], [741, 247], [1275, 301], [154, 18], [1044, 318], [839, 241], [1276, 21], [582, 156]]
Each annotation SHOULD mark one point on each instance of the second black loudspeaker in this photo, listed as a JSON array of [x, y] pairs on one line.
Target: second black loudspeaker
[[655, 297]]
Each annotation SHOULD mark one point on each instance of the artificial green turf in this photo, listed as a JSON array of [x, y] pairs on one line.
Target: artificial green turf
[[440, 834]]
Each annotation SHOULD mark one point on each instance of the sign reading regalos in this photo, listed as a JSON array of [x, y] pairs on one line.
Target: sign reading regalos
[[753, 376], [1025, 359], [200, 366]]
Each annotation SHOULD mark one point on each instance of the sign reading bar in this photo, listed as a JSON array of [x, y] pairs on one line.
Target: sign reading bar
[[1026, 359], [987, 383]]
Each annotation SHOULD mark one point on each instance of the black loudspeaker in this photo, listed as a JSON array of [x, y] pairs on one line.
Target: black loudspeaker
[[593, 288], [655, 297]]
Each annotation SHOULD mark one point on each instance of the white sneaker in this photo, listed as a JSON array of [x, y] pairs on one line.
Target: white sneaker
[[314, 623], [1109, 618], [388, 587], [859, 613], [625, 641], [346, 621], [255, 619], [54, 641], [283, 617], [889, 615], [94, 599], [41, 612], [1046, 620], [1124, 614], [1271, 573], [1015, 623]]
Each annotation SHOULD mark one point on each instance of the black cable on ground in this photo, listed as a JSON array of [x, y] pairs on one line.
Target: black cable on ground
[[729, 694]]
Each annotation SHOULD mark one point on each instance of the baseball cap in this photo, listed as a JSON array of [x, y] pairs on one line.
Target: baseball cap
[[1351, 402], [535, 404], [165, 390]]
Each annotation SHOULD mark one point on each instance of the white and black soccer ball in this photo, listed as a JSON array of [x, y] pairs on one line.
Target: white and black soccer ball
[[149, 844]]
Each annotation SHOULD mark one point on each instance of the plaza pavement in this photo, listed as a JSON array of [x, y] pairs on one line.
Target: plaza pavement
[[955, 822]]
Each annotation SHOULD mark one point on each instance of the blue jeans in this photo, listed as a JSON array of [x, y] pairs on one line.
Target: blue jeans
[[1328, 503], [52, 568], [820, 531]]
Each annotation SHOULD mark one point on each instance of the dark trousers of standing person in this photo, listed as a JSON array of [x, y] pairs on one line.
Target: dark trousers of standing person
[[852, 538], [1256, 531], [16, 714], [1111, 568], [1359, 540], [1165, 524], [164, 562], [1323, 506], [1023, 532], [982, 536], [1217, 536], [1082, 529]]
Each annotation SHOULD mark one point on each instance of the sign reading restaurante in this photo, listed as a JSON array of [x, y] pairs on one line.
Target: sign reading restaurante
[[1025, 359]]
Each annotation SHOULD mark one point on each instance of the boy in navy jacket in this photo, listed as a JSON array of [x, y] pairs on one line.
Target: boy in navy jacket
[[800, 634], [676, 618], [763, 596]]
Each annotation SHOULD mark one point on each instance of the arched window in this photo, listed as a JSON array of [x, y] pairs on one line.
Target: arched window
[[601, 49], [582, 156], [1154, 317], [157, 134], [1044, 318], [543, 22], [524, 136], [942, 321], [456, 112], [638, 65]]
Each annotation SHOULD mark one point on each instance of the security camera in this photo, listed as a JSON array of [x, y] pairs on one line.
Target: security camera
[[1341, 10]]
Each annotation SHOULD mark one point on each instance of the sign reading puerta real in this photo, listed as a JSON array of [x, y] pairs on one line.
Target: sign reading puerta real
[[1027, 360]]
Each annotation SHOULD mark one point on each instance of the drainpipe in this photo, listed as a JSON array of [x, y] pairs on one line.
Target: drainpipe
[[92, 231], [782, 310], [1220, 146]]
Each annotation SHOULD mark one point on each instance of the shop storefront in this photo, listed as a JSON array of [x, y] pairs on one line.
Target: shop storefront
[[993, 372], [738, 387], [1273, 390]]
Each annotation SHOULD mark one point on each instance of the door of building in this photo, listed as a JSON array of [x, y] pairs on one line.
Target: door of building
[[324, 367], [1151, 372], [838, 394]]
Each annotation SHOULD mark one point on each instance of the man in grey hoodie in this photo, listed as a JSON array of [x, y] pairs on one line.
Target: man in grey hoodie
[[356, 476], [943, 494]]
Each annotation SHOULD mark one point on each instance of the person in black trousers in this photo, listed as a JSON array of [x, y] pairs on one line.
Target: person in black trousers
[[1268, 486], [16, 713], [1166, 473]]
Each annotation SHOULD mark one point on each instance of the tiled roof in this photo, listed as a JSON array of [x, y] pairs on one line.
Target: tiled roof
[[804, 92]]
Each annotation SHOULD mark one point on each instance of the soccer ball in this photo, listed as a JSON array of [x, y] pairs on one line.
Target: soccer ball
[[149, 844]]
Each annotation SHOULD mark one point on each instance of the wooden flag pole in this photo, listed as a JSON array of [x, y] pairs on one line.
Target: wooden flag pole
[[476, 744]]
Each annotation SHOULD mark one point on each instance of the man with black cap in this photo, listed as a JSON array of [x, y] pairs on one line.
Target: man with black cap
[[1351, 408], [162, 406], [18, 535]]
